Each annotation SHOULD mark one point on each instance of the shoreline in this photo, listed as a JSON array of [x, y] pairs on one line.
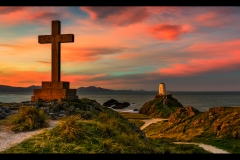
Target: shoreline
[[125, 110]]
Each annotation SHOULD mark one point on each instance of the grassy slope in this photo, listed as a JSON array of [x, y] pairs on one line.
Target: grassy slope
[[156, 108], [106, 132], [218, 126]]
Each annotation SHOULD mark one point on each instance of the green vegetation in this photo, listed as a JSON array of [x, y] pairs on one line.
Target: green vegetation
[[129, 115], [106, 131], [156, 108], [135, 118], [230, 145], [218, 126], [29, 118]]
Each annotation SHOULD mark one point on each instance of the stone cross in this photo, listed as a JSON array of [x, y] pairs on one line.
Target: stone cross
[[56, 39]]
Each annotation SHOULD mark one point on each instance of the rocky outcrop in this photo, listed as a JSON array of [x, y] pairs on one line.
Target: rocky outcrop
[[182, 114], [5, 111], [110, 103], [187, 123], [115, 104], [56, 109], [160, 106]]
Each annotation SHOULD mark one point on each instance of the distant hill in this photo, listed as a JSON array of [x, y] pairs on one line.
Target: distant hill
[[4, 88], [99, 89]]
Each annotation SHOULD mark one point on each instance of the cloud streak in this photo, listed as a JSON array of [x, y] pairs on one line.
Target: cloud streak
[[219, 57], [126, 15]]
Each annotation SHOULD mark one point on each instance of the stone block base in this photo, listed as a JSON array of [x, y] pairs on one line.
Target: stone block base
[[54, 91]]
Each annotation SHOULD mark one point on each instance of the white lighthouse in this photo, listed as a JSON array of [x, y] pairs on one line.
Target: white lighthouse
[[162, 89]]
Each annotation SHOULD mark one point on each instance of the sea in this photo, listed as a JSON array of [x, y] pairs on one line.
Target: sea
[[199, 100]]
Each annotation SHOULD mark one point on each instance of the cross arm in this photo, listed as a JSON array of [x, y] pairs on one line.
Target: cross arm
[[45, 39], [66, 38]]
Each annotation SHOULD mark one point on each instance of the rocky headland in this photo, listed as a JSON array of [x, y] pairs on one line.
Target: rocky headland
[[160, 106]]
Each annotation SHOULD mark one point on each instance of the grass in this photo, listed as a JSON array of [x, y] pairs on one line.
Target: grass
[[162, 131], [107, 133], [29, 118], [135, 118], [153, 132], [129, 115], [230, 145]]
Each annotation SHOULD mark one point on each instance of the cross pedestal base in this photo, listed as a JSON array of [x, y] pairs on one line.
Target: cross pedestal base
[[54, 91]]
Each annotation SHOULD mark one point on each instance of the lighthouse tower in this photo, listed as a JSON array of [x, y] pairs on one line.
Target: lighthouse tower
[[162, 89]]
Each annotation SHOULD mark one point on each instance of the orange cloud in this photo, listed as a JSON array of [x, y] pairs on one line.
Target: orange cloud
[[127, 56], [23, 78], [221, 57], [168, 31], [27, 78], [88, 53]]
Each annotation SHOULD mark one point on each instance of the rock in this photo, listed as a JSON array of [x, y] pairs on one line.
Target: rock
[[121, 105], [110, 103], [115, 104], [4, 112]]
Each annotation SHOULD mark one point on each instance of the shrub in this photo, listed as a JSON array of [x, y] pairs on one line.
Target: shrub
[[70, 128], [29, 118]]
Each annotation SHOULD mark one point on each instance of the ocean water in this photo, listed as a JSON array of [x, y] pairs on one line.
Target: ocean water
[[199, 100]]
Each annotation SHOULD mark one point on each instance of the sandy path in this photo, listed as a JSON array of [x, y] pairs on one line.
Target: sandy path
[[9, 138], [209, 148], [150, 121]]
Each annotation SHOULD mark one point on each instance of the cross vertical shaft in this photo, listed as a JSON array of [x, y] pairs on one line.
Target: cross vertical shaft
[[56, 39], [56, 52]]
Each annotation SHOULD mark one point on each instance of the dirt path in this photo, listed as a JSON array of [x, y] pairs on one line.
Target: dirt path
[[9, 138], [150, 121], [209, 148]]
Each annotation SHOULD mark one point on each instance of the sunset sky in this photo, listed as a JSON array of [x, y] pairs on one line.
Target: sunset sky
[[126, 47]]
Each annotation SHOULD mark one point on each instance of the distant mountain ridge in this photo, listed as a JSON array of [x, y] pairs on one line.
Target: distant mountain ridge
[[5, 88], [99, 89]]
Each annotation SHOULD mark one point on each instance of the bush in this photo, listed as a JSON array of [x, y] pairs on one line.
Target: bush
[[70, 128], [29, 118]]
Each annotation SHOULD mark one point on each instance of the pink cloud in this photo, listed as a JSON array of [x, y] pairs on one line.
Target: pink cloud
[[210, 19], [221, 57], [223, 49], [7, 10], [117, 16], [19, 15], [217, 18], [168, 31]]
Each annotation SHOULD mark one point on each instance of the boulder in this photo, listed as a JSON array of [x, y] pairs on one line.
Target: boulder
[[110, 103]]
